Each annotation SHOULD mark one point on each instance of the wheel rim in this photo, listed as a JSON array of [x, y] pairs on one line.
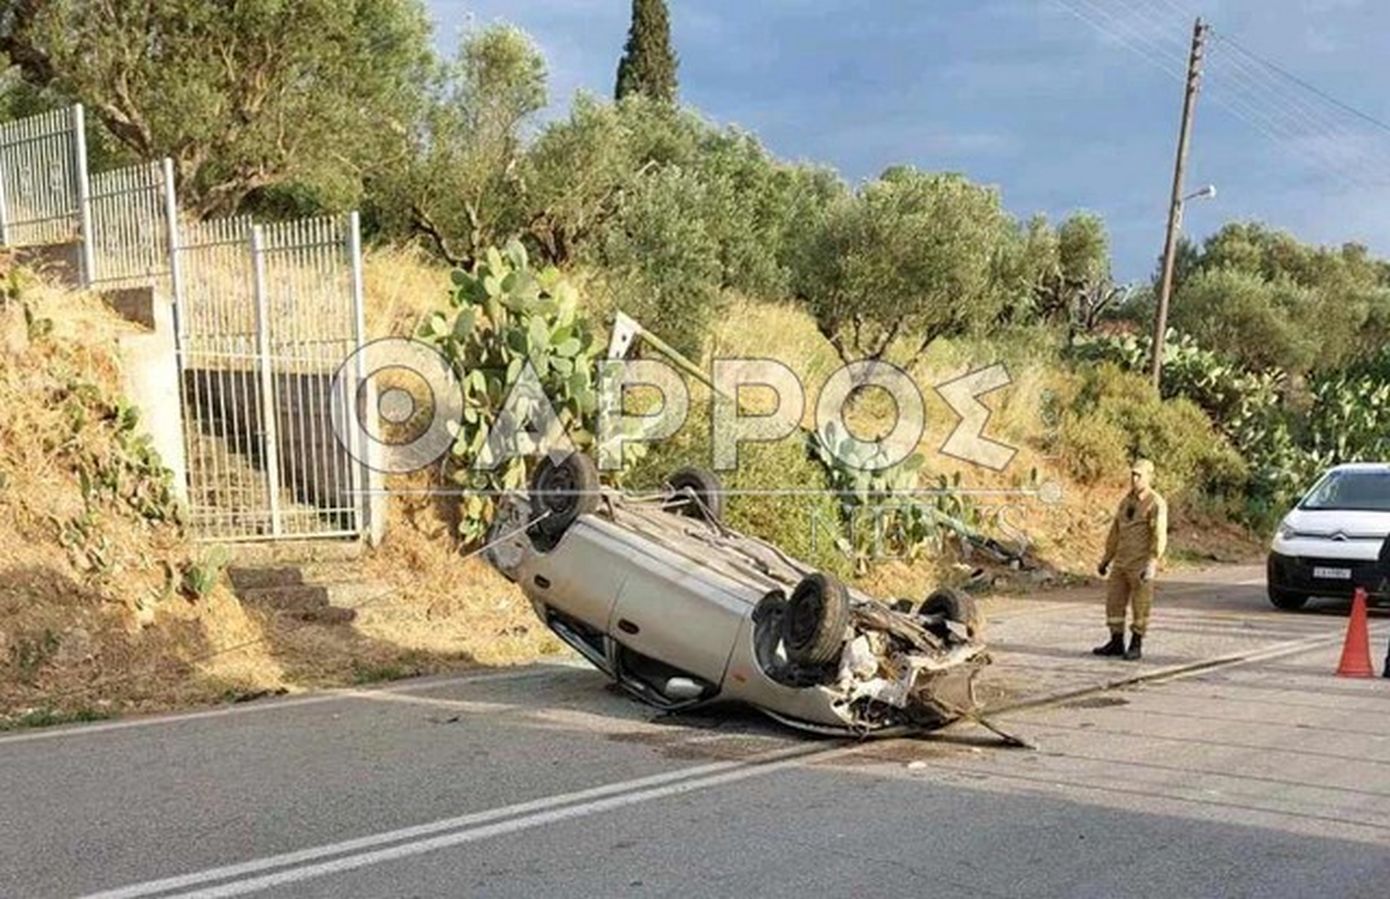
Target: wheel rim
[[558, 490]]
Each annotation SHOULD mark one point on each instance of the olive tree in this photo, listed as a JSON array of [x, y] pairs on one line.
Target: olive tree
[[1270, 300], [460, 185], [913, 255], [249, 96]]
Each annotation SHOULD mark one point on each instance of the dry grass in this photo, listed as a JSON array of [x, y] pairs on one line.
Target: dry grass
[[78, 635], [91, 613], [444, 603], [101, 623], [403, 286]]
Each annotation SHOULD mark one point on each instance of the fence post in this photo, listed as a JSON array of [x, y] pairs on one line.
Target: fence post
[[4, 214], [368, 522], [171, 226], [84, 193], [174, 239], [269, 426]]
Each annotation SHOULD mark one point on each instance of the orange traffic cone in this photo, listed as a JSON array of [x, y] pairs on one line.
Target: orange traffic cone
[[1356, 652]]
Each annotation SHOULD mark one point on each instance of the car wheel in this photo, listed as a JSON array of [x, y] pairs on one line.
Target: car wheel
[[1287, 600], [816, 620], [562, 491], [953, 605], [704, 486]]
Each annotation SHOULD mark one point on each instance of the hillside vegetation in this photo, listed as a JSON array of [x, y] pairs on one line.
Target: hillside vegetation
[[504, 239]]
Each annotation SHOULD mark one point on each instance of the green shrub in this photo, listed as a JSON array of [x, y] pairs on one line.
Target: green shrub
[[1113, 416], [804, 524], [1095, 447], [201, 576], [30, 654], [49, 717], [1266, 299], [1286, 437], [1262, 323]]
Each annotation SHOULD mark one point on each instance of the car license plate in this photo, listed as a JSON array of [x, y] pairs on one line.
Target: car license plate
[[1332, 574]]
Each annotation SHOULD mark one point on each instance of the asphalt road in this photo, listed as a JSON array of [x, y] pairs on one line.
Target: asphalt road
[[1262, 775]]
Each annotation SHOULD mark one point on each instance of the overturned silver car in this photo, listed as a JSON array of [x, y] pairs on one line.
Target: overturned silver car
[[681, 610]]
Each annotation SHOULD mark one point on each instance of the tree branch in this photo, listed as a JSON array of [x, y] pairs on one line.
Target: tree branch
[[887, 341], [929, 337], [425, 225]]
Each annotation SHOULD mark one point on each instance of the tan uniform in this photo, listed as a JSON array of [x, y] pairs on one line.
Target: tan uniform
[[1138, 536]]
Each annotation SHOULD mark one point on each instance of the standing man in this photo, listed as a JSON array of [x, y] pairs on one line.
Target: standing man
[[1137, 541]]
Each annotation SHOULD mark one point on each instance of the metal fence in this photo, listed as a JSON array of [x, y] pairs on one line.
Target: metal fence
[[132, 210], [43, 180], [267, 315]]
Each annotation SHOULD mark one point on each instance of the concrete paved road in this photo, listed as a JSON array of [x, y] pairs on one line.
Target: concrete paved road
[[1263, 775]]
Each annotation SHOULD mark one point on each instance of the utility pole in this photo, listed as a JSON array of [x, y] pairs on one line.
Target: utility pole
[[1170, 243]]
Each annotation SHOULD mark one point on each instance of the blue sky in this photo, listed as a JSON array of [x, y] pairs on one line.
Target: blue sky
[[1063, 104]]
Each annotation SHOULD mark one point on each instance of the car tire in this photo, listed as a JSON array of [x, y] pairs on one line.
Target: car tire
[[706, 488], [1287, 600], [565, 490], [816, 621], [953, 605]]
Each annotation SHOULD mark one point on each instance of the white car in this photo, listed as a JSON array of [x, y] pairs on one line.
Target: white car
[[680, 609], [1335, 540]]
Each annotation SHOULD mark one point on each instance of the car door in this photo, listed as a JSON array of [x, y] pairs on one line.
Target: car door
[[678, 612]]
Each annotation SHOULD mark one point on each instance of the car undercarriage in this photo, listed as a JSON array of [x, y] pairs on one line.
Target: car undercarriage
[[681, 610]]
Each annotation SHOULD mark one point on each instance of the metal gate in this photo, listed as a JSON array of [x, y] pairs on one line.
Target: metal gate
[[44, 192], [266, 316], [132, 209]]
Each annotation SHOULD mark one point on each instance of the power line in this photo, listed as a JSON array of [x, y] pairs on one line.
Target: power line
[[1187, 12], [1254, 99], [1258, 87], [1301, 119], [1152, 50], [1261, 88], [1312, 88], [1159, 63]]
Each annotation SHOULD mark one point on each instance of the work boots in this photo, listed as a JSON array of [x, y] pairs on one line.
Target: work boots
[[1136, 648], [1116, 646]]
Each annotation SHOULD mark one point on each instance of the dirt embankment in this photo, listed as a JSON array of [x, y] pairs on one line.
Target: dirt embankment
[[106, 606]]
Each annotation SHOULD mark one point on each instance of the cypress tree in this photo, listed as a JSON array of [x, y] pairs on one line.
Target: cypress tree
[[648, 66]]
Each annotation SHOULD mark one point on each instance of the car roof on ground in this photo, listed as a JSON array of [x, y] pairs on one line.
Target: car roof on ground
[[1362, 466]]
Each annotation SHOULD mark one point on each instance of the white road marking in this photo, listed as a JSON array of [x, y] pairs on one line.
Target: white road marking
[[285, 703], [472, 827]]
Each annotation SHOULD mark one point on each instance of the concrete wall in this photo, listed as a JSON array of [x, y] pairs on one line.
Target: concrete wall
[[149, 371]]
